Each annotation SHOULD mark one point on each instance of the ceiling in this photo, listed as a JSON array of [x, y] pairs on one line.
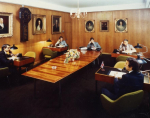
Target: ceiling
[[84, 5], [92, 3]]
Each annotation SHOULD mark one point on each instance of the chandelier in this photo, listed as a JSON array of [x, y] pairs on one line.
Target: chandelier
[[78, 14]]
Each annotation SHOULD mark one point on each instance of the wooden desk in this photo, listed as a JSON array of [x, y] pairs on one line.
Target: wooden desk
[[132, 55], [46, 73], [104, 77], [21, 61], [58, 49]]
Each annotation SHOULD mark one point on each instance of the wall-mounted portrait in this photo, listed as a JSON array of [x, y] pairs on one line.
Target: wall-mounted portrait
[[39, 24], [6, 24], [104, 25], [121, 25], [56, 24], [89, 26]]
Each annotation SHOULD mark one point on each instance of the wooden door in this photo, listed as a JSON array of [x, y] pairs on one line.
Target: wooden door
[[68, 34]]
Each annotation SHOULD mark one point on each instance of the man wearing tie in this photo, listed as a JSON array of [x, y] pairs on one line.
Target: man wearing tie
[[127, 48], [93, 45]]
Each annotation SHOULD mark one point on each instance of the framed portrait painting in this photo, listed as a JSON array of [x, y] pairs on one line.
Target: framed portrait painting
[[56, 24], [121, 25], [104, 25], [38, 24], [6, 24], [89, 26]]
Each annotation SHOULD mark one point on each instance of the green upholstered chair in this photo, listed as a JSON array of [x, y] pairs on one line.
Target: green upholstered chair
[[124, 103], [121, 58], [30, 54], [68, 46], [120, 64], [4, 72], [48, 53]]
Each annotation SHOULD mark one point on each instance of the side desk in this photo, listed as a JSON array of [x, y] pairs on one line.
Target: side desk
[[118, 54], [58, 49], [104, 77]]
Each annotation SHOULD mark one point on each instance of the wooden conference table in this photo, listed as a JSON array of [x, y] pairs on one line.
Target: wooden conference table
[[105, 77], [46, 73], [58, 49]]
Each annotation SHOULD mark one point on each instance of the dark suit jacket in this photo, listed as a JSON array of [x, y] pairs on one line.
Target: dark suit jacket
[[130, 82], [4, 62]]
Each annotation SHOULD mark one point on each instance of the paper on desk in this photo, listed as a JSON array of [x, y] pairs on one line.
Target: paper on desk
[[83, 48], [116, 74], [60, 46]]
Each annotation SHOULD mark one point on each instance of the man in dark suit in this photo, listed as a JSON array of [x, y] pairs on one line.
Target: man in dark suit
[[4, 62], [130, 82]]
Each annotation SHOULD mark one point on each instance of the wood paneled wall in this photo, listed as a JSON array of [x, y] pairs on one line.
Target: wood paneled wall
[[36, 42], [138, 29]]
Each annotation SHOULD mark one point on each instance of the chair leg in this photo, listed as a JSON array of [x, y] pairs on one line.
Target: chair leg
[[8, 80]]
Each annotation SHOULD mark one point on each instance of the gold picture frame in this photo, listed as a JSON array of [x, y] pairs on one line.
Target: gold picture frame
[[89, 26], [6, 24], [121, 25], [104, 25], [56, 24], [38, 24]]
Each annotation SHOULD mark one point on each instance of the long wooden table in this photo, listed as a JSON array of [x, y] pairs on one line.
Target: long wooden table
[[46, 73], [104, 77], [58, 49]]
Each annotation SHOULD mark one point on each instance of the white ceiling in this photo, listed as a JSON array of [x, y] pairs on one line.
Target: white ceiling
[[84, 5], [92, 3]]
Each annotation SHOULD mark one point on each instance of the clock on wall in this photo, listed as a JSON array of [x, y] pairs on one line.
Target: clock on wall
[[25, 17]]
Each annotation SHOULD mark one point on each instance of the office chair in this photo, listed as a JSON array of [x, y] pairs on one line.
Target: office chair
[[121, 58], [30, 54], [48, 53], [120, 64], [4, 72], [124, 103]]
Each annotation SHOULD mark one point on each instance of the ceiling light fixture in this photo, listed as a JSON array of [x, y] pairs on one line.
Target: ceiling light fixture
[[78, 14]]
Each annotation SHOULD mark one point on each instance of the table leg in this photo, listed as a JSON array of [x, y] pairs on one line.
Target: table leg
[[34, 88], [96, 86], [59, 93]]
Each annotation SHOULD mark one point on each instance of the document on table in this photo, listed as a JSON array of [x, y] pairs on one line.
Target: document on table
[[116, 74]]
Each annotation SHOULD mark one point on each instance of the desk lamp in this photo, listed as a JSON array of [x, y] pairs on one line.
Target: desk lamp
[[141, 61], [49, 41], [13, 47]]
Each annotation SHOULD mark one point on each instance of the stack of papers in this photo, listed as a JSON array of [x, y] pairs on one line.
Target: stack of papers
[[116, 74]]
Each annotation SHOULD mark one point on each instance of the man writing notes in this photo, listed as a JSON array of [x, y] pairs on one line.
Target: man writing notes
[[93, 45], [130, 82], [61, 42], [126, 48]]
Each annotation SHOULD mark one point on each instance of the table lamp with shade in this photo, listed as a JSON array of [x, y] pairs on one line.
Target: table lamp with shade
[[49, 41], [141, 61], [13, 47]]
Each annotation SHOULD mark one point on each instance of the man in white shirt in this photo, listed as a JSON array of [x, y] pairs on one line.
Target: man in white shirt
[[125, 47], [61, 42]]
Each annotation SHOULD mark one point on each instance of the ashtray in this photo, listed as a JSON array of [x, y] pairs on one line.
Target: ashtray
[[54, 67]]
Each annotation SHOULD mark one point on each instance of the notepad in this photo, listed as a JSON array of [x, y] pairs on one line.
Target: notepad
[[116, 74]]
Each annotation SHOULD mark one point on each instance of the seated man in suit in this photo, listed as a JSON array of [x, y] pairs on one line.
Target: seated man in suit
[[93, 45], [127, 48], [61, 42], [130, 82], [4, 62]]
